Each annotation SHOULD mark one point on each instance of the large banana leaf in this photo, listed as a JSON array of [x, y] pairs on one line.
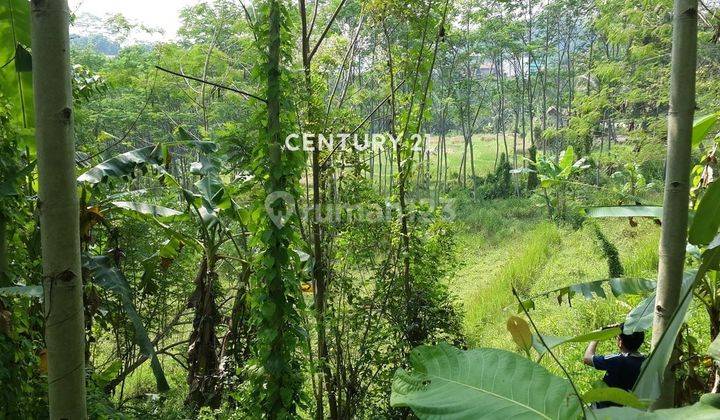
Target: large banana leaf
[[703, 125], [589, 290], [148, 209], [707, 217], [552, 341], [708, 408], [113, 280], [649, 382], [124, 165], [616, 395], [447, 383], [641, 317], [714, 349]]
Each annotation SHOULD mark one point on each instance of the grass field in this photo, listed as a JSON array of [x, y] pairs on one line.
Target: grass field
[[484, 151], [511, 243], [507, 243]]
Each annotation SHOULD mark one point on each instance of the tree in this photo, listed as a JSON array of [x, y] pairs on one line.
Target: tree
[[276, 281], [677, 177], [58, 206]]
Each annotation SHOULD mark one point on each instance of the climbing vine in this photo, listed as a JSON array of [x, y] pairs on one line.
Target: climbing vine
[[276, 298]]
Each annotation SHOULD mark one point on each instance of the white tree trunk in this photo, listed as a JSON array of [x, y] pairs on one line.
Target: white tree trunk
[[677, 177], [58, 206]]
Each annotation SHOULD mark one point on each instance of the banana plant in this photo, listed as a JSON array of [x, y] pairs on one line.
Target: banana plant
[[211, 205], [556, 179], [629, 183]]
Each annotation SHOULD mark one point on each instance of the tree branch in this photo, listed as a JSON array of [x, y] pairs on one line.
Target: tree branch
[[217, 85], [327, 28], [362, 123]]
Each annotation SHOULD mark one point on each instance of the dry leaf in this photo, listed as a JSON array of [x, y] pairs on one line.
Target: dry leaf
[[520, 331]]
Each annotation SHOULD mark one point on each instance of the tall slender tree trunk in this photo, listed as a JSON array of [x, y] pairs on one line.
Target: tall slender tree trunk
[[677, 183], [279, 391], [59, 210], [203, 361], [319, 274]]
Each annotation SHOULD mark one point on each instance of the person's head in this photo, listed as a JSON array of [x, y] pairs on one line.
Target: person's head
[[630, 342]]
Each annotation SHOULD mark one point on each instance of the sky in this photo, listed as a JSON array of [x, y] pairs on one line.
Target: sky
[[163, 14]]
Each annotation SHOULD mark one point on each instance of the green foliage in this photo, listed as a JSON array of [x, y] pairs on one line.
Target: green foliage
[[498, 184], [276, 299], [640, 318], [21, 342], [702, 126], [649, 382], [147, 209], [706, 222], [15, 79], [125, 165], [598, 83], [615, 395], [110, 278], [706, 409], [615, 268], [551, 342], [714, 349], [558, 180], [22, 291], [447, 382], [594, 289]]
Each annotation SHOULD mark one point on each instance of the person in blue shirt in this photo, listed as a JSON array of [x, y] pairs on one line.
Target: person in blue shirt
[[621, 369]]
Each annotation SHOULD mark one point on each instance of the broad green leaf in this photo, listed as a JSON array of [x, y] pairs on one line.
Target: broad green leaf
[[641, 317], [568, 158], [204, 146], [22, 291], [525, 170], [625, 211], [708, 408], [552, 342], [147, 209], [616, 395], [714, 349], [124, 165], [701, 127], [16, 85], [649, 381], [213, 191], [111, 279], [8, 187], [447, 383], [705, 225]]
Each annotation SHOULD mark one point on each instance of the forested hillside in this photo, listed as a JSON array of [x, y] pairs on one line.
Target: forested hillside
[[360, 209]]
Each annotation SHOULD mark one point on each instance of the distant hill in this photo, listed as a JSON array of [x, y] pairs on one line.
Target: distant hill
[[99, 42]]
